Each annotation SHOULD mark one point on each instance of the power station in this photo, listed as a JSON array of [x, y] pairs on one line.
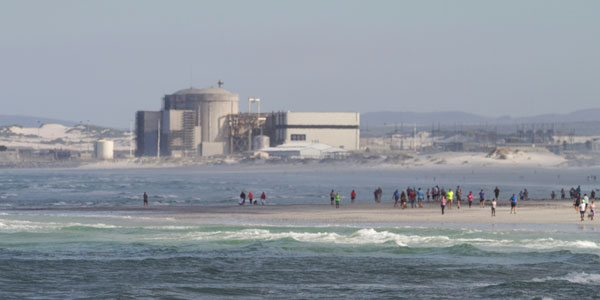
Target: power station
[[206, 122]]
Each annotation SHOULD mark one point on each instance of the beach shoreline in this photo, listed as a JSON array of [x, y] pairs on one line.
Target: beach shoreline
[[528, 212]]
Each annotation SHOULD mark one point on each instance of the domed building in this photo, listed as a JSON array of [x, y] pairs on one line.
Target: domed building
[[192, 122]]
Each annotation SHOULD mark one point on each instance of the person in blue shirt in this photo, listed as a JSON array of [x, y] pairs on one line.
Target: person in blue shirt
[[481, 199], [396, 196], [420, 197], [513, 204]]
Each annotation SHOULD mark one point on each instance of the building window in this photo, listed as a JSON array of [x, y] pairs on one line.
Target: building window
[[298, 137]]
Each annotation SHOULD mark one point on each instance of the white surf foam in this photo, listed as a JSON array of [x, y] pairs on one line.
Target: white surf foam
[[573, 277]]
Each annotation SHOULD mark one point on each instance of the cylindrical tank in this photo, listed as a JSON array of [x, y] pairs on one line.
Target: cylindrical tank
[[104, 149], [260, 142]]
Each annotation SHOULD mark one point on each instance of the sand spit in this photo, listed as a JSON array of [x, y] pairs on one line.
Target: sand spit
[[529, 212]]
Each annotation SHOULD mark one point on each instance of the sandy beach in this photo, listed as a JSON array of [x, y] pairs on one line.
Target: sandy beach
[[529, 212]]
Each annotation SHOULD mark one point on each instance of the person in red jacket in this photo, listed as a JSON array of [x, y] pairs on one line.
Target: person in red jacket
[[263, 198], [353, 196], [250, 197]]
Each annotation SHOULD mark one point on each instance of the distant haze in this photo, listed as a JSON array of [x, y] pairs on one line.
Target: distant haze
[[103, 60]]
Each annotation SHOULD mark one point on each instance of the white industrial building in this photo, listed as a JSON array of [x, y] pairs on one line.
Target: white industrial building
[[336, 129], [206, 122]]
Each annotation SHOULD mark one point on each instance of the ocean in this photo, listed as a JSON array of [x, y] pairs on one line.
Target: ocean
[[48, 250]]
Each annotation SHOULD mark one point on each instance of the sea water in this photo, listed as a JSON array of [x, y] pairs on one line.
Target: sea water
[[51, 253]]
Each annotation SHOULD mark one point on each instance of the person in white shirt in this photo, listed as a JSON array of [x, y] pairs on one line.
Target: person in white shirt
[[582, 210]]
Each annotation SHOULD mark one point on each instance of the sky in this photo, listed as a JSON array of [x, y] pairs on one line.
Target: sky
[[103, 60]]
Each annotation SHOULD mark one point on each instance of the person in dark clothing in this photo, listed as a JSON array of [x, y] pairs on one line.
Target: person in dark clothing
[[496, 192], [242, 198], [145, 199]]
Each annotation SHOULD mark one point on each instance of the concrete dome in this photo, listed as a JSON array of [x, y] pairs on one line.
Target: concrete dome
[[210, 90]]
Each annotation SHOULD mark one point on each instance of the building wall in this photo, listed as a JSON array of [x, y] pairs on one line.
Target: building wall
[[146, 129], [179, 133], [334, 129]]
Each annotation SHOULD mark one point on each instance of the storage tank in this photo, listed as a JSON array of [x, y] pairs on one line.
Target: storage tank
[[104, 149], [260, 142]]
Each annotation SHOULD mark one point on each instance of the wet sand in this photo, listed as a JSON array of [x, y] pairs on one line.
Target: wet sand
[[528, 212]]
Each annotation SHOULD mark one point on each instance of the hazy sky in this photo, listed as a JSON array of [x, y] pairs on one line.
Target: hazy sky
[[103, 60]]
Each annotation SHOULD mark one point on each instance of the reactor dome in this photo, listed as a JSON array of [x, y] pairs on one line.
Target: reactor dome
[[210, 90]]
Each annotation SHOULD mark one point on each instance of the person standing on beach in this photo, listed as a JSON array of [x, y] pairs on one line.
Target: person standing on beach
[[412, 198], [242, 198], [396, 197], [251, 198], [443, 203], [576, 203], [458, 196], [353, 196], [513, 204], [481, 199], [337, 200], [450, 197], [592, 211], [552, 195], [145, 199], [428, 194], [494, 208], [582, 210], [593, 195], [332, 197], [563, 194], [496, 192], [470, 198], [403, 200], [420, 198], [263, 199]]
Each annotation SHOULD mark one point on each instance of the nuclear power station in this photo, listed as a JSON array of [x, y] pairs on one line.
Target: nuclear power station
[[206, 122]]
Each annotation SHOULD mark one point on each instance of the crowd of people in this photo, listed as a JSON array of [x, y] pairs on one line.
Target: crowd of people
[[447, 198]]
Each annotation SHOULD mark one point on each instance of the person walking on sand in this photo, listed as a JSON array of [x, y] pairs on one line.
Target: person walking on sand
[[396, 197], [403, 200], [337, 200], [513, 204], [352, 196], [420, 198], [263, 199], [242, 198], [332, 197], [494, 208], [470, 197], [592, 211], [145, 199], [443, 203], [481, 199], [449, 198], [496, 192]]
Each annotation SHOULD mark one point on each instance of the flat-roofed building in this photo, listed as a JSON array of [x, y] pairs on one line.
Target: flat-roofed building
[[336, 129]]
